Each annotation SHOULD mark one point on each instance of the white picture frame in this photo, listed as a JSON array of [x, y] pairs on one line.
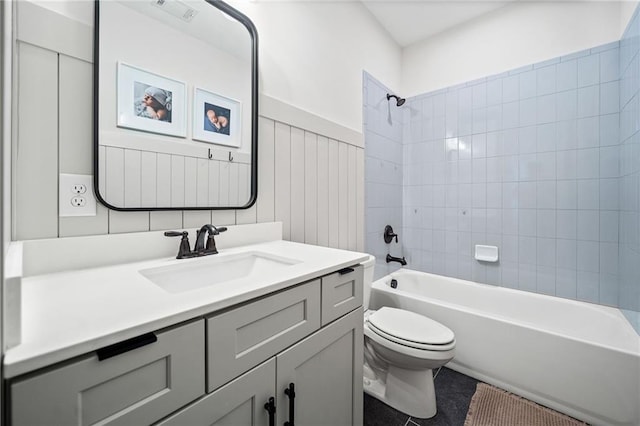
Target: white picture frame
[[217, 119], [149, 102]]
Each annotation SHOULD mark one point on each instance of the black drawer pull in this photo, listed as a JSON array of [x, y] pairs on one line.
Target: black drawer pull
[[345, 271], [271, 409], [291, 393], [126, 346]]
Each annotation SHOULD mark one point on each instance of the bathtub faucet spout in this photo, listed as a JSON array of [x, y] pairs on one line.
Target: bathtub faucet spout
[[400, 260]]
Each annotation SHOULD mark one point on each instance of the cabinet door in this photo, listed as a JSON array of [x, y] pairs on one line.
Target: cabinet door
[[326, 370], [134, 388], [240, 402]]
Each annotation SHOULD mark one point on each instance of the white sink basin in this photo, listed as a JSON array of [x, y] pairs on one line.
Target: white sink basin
[[214, 270]]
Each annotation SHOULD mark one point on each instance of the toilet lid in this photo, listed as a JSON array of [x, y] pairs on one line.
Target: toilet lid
[[411, 327]]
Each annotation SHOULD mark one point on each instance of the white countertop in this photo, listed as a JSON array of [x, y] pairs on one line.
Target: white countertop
[[70, 313]]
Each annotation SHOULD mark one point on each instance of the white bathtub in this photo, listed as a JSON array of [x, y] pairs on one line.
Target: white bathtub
[[578, 358]]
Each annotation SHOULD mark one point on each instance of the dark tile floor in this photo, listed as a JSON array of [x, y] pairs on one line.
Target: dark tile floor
[[453, 396]]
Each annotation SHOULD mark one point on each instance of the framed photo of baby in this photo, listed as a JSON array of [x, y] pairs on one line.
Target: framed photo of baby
[[150, 102], [216, 119]]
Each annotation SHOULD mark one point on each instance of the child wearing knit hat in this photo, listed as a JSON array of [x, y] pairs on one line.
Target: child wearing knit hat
[[155, 104]]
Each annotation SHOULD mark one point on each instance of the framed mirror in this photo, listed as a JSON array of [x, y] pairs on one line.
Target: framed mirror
[[176, 105]]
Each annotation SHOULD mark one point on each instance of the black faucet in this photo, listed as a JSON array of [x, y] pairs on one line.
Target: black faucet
[[396, 259], [210, 247], [200, 249]]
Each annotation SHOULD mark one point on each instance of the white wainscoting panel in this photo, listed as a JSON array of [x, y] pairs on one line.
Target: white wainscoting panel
[[190, 181], [297, 184], [163, 220], [132, 178], [163, 179], [352, 221], [343, 196], [214, 177], [310, 188], [114, 181], [282, 178], [334, 187], [177, 181], [323, 191], [266, 171], [202, 190], [149, 179]]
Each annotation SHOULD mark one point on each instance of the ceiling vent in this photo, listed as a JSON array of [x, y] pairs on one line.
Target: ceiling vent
[[177, 9]]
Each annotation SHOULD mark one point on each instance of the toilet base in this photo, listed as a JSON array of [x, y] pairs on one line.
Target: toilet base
[[408, 391]]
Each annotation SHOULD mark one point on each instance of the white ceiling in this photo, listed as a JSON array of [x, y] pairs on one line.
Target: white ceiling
[[409, 22]]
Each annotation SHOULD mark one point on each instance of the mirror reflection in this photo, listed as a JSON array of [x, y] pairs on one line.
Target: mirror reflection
[[176, 107]]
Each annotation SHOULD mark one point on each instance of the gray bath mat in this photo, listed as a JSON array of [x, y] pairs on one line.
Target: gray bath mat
[[491, 406]]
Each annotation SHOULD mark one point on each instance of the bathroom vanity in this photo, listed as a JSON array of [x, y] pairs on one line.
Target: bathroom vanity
[[117, 344]]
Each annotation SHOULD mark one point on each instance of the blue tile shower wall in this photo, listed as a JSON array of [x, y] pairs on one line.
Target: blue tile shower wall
[[630, 168], [528, 161], [383, 172]]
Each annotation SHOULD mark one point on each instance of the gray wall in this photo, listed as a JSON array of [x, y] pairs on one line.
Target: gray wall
[[310, 177]]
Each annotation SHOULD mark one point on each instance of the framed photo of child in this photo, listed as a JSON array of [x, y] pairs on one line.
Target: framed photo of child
[[150, 102], [216, 119]]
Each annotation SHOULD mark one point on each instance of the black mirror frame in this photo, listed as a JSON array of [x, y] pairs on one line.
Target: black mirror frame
[[244, 20]]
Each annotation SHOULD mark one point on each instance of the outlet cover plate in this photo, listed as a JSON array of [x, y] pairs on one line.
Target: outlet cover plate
[[66, 194]]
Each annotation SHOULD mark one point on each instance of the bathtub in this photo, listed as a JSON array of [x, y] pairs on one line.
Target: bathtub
[[578, 358]]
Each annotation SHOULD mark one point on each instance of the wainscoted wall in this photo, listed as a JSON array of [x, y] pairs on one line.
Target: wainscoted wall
[[383, 174], [156, 179], [630, 169], [527, 161], [311, 171]]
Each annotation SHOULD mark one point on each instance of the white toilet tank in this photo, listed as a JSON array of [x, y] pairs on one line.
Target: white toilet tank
[[368, 280]]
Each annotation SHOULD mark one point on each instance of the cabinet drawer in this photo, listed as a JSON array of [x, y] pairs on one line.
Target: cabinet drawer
[[242, 338], [341, 293], [136, 387]]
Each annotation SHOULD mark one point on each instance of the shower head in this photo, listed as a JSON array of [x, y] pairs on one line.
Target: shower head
[[399, 101]]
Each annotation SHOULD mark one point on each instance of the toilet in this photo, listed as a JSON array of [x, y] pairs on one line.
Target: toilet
[[401, 348]]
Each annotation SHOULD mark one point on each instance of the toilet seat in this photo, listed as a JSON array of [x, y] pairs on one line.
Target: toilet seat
[[410, 329]]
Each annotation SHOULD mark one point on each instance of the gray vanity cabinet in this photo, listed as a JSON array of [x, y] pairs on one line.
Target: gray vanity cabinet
[[308, 336], [138, 387], [326, 371]]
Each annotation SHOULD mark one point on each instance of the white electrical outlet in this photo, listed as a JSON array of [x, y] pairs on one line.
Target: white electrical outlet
[[79, 188], [75, 195], [78, 201]]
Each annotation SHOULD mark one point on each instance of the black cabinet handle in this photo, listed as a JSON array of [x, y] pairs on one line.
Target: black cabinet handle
[[345, 271], [271, 409], [126, 346], [291, 393]]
